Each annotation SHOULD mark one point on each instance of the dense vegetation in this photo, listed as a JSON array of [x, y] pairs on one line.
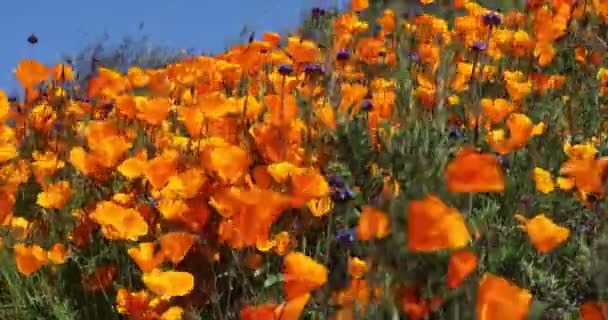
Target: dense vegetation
[[444, 163]]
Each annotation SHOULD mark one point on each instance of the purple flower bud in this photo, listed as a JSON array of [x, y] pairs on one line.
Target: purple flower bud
[[491, 19], [57, 125], [343, 194], [346, 235], [314, 68], [343, 55], [415, 57], [317, 12], [285, 69], [583, 228], [479, 46], [504, 161], [367, 105], [455, 133], [335, 181]]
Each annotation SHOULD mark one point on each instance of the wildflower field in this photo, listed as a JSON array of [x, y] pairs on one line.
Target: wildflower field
[[447, 164]]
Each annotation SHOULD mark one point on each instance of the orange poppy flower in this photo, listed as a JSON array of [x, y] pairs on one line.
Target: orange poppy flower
[[228, 162], [587, 174], [373, 224], [107, 84], [471, 171], [249, 214], [154, 110], [496, 110], [261, 176], [63, 72], [292, 309], [433, 226], [158, 170], [55, 195], [83, 161], [358, 5], [265, 312], [133, 167], [282, 111], [169, 283], [414, 306], [30, 258], [302, 275], [499, 299], [185, 185], [271, 38], [58, 253], [460, 265], [302, 51], [357, 268], [140, 305], [175, 245], [544, 234], [118, 222], [308, 186], [145, 257], [594, 310], [172, 209], [357, 294], [137, 77], [173, 313], [31, 72]]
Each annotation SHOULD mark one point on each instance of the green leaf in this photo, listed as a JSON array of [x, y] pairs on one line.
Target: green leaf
[[536, 310], [273, 279], [401, 75]]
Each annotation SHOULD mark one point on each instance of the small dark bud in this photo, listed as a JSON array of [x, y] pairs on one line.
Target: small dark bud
[[285, 69], [32, 39], [343, 55], [367, 105], [491, 19], [479, 46], [335, 181]]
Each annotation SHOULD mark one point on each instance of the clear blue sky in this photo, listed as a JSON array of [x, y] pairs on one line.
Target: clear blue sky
[[66, 26]]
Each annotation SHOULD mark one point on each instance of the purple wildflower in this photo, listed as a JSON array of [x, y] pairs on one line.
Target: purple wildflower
[[285, 69]]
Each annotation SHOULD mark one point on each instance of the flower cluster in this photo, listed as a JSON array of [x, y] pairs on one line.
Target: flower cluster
[[285, 158]]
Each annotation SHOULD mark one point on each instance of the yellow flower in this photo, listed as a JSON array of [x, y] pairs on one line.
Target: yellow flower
[[55, 196], [320, 207], [118, 222], [20, 227], [543, 180], [280, 171], [169, 283], [8, 151], [565, 183], [580, 151]]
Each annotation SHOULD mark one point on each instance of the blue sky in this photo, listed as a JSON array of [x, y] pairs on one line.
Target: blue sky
[[66, 26]]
